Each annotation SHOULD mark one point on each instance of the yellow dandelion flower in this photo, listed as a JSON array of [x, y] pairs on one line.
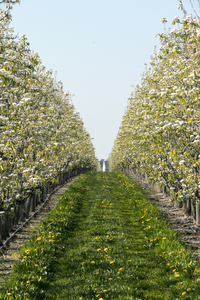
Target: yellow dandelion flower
[[177, 274], [36, 265], [105, 249], [122, 233], [28, 251], [120, 269], [189, 289], [183, 293], [109, 278], [111, 262], [9, 294], [92, 262], [105, 290], [99, 249]]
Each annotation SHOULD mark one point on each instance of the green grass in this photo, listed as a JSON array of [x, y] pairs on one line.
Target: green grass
[[105, 240]]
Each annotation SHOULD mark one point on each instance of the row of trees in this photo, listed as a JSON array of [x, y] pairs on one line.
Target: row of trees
[[160, 131], [41, 134]]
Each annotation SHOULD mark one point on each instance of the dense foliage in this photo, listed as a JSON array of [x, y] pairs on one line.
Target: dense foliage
[[160, 130], [41, 135]]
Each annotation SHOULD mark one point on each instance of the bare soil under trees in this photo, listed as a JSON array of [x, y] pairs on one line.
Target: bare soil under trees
[[183, 223]]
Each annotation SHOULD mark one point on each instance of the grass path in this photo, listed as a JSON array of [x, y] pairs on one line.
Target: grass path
[[115, 245], [11, 254]]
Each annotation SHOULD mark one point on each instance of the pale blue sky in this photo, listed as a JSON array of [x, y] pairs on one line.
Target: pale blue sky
[[98, 49]]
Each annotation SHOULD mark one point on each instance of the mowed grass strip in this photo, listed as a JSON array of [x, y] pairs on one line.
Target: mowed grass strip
[[114, 245]]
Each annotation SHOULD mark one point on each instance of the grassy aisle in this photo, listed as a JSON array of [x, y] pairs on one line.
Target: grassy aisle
[[113, 245]]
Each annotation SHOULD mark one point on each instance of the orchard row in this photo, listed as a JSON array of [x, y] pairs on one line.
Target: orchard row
[[41, 134], [160, 130]]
